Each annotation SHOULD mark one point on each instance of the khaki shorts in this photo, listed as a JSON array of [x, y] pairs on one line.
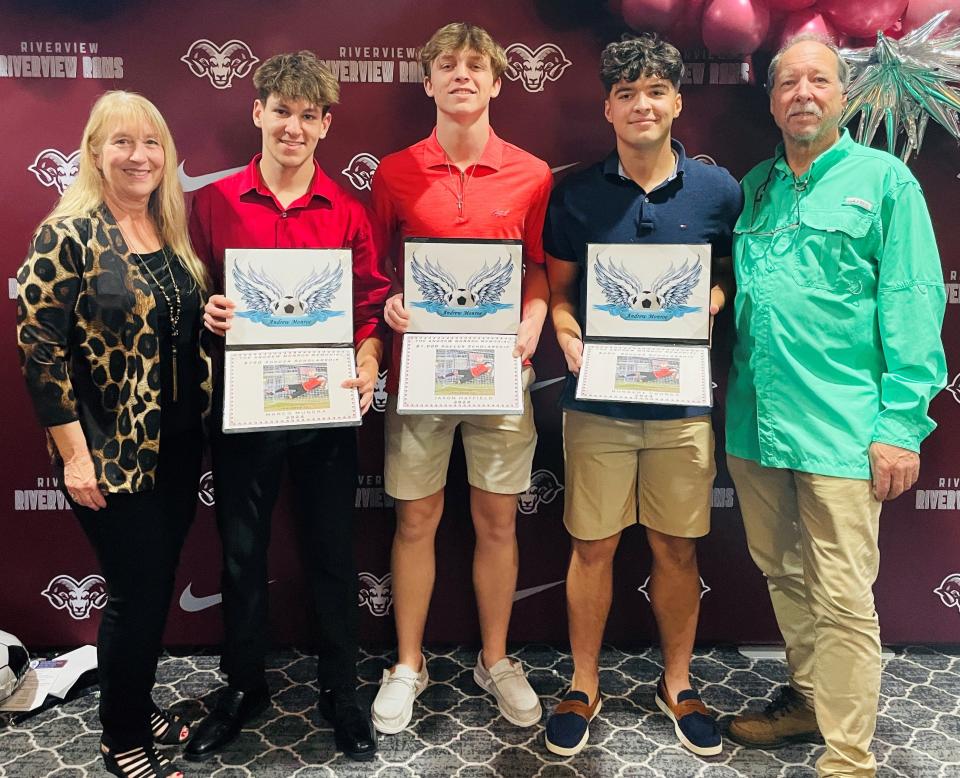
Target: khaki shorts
[[499, 450], [615, 465]]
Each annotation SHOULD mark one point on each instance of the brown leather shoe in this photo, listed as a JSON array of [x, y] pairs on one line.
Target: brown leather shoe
[[788, 718]]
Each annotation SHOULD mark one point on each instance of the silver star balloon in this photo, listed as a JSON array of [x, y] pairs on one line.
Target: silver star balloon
[[902, 83]]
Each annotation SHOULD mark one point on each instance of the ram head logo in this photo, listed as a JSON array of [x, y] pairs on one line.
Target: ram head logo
[[219, 63], [205, 491], [380, 392], [359, 171], [544, 488], [376, 593], [78, 598], [53, 169], [949, 591], [534, 68]]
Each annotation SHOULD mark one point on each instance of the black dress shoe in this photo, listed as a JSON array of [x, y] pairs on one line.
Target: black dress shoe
[[234, 708], [352, 729]]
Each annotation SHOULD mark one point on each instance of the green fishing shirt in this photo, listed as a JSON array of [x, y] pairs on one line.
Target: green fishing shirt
[[840, 301]]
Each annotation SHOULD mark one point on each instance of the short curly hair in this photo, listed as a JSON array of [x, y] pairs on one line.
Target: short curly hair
[[645, 55], [463, 35], [297, 76]]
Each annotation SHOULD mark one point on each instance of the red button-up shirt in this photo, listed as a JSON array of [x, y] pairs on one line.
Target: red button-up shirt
[[241, 212]]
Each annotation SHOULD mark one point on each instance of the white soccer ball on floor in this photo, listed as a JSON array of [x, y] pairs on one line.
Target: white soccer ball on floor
[[14, 663]]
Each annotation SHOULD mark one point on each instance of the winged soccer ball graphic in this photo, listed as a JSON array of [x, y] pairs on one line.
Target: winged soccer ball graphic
[[265, 298], [625, 291], [440, 289]]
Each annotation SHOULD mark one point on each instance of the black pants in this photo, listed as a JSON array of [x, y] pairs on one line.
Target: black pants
[[137, 539], [247, 472]]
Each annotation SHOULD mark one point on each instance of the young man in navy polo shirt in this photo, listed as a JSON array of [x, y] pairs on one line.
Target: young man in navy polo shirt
[[628, 463]]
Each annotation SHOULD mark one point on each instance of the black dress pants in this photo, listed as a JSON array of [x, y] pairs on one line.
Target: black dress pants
[[137, 539], [247, 474]]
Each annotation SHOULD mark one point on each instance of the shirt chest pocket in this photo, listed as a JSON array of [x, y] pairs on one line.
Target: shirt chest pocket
[[831, 245]]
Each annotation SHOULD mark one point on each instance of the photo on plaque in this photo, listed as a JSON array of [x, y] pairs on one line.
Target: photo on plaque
[[645, 373], [648, 292], [289, 296], [289, 388], [636, 373], [295, 387], [464, 373], [463, 286], [460, 374]]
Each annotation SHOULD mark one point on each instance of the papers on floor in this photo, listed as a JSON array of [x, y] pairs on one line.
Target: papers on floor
[[54, 677]]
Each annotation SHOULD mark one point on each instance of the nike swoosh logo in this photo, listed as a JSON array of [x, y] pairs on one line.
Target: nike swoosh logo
[[541, 384], [192, 183], [522, 594], [564, 167], [192, 604]]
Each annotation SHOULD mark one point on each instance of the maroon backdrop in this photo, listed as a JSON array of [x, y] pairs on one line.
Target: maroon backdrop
[[194, 61]]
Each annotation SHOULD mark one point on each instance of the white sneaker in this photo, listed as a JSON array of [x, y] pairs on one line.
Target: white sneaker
[[517, 701], [393, 707]]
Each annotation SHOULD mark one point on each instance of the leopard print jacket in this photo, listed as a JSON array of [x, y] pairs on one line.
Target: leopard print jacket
[[87, 336]]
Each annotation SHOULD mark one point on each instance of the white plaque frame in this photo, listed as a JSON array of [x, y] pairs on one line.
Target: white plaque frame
[[460, 375], [646, 373], [672, 280], [469, 285], [263, 389], [289, 297]]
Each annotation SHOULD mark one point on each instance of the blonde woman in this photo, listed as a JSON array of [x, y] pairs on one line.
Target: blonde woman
[[109, 332]]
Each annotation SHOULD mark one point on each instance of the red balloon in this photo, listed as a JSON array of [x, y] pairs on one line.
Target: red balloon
[[777, 20], [922, 11], [788, 5], [863, 19], [734, 27], [805, 21], [685, 32], [656, 15]]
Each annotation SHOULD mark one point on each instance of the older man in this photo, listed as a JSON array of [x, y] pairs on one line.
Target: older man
[[839, 305]]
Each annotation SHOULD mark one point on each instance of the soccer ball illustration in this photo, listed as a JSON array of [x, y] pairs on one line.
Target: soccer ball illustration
[[287, 306], [460, 298], [645, 300]]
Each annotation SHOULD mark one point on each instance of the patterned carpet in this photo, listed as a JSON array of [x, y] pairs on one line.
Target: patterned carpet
[[456, 731]]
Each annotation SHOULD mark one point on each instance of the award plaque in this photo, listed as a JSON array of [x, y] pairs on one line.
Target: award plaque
[[647, 324], [290, 344], [464, 300], [289, 388], [460, 374]]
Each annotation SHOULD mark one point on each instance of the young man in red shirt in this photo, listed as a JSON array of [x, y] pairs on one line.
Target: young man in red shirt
[[283, 199], [464, 182]]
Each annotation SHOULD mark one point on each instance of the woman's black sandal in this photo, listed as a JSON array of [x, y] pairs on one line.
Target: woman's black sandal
[[167, 728], [139, 762]]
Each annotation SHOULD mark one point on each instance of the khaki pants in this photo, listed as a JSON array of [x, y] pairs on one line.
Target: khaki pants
[[814, 537]]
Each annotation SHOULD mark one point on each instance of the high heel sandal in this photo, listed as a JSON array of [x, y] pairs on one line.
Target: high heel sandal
[[168, 728], [139, 762]]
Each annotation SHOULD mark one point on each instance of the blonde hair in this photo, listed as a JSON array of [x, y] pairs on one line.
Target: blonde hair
[[297, 76], [166, 208], [463, 35]]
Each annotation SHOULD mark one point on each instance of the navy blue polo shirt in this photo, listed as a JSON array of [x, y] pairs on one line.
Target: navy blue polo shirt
[[699, 203]]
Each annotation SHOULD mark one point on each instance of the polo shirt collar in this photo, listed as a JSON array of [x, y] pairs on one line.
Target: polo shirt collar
[[492, 156], [821, 164], [613, 167], [320, 186]]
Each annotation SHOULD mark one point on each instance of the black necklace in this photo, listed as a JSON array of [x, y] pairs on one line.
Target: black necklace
[[173, 310]]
